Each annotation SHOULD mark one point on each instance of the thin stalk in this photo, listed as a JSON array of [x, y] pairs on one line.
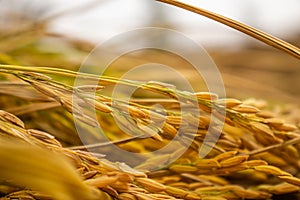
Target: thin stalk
[[103, 144], [63, 72], [275, 146], [12, 69], [248, 30]]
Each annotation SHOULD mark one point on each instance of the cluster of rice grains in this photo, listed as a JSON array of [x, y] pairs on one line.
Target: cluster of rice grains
[[256, 155]]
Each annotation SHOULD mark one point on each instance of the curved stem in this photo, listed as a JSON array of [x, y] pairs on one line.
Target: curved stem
[[255, 33]]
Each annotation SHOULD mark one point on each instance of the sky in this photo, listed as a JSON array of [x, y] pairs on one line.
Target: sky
[[108, 18]]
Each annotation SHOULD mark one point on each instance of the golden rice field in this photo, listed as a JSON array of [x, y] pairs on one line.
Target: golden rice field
[[252, 145]]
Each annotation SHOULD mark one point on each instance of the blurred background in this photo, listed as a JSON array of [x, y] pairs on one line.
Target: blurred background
[[280, 18], [63, 33]]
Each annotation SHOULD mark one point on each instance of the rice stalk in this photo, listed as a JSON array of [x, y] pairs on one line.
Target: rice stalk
[[264, 37]]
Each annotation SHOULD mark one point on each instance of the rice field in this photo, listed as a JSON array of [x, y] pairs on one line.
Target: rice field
[[67, 133]]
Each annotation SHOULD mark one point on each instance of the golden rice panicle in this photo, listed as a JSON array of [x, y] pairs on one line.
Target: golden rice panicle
[[228, 102], [236, 160], [246, 109], [101, 181], [179, 193], [8, 117], [290, 179], [271, 170], [206, 96], [150, 185], [225, 155], [279, 189], [183, 168]]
